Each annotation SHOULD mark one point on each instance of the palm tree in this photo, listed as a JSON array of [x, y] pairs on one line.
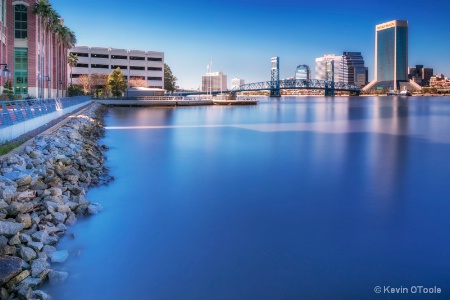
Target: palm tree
[[72, 60], [42, 10]]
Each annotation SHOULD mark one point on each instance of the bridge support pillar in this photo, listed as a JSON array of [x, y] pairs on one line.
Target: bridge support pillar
[[275, 93], [329, 92], [275, 78]]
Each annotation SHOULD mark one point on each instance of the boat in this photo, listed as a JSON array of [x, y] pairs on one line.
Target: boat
[[405, 92]]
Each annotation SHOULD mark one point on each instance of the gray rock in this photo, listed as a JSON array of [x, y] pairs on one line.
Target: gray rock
[[10, 228], [63, 209], [36, 246], [38, 266], [9, 267], [18, 279], [21, 178], [14, 240], [59, 256], [7, 250], [24, 238], [3, 204], [3, 241], [32, 281], [40, 295], [59, 217], [55, 192], [27, 253], [48, 249], [7, 193], [43, 237], [24, 292], [57, 276], [7, 181], [94, 208], [25, 219], [4, 294]]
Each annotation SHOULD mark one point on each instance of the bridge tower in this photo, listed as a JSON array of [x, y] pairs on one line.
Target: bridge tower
[[329, 79], [275, 77]]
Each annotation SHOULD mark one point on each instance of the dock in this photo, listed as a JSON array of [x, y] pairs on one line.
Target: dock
[[154, 103]]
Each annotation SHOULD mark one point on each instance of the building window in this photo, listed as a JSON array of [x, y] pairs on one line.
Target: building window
[[78, 54], [154, 59], [82, 66], [76, 75], [20, 21], [154, 78], [155, 87], [154, 69], [100, 55], [99, 66], [137, 58], [119, 57], [137, 68], [20, 71], [113, 67]]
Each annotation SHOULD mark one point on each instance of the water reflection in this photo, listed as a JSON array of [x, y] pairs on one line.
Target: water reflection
[[300, 198]]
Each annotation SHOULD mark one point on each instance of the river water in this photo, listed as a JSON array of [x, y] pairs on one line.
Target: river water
[[295, 198]]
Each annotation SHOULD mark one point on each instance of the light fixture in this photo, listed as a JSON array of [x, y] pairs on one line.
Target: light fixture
[[6, 70]]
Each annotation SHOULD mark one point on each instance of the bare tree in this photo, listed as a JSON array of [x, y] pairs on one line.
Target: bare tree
[[98, 81], [85, 82], [137, 82]]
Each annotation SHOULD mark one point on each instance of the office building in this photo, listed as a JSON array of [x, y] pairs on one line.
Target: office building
[[35, 55], [328, 68], [236, 83], [215, 81], [302, 72], [420, 75], [353, 70], [391, 56], [138, 64]]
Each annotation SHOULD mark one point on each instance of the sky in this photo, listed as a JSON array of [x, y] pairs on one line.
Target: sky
[[241, 37]]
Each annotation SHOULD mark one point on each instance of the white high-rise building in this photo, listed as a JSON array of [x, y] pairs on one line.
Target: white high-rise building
[[328, 68], [236, 83], [215, 81]]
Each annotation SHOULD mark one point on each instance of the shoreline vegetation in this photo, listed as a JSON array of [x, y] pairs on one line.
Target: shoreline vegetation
[[42, 192]]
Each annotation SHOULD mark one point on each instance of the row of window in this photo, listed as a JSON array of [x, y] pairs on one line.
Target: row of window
[[98, 66], [79, 54], [134, 77]]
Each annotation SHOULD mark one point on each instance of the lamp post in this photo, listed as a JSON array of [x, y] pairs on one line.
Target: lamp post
[[47, 78]]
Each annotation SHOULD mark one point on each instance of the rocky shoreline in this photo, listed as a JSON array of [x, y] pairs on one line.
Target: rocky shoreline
[[42, 191]]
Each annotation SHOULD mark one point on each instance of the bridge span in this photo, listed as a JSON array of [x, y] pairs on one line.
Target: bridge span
[[329, 87]]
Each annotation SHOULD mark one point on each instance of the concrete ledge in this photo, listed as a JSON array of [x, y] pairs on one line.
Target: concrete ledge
[[11, 132], [154, 103]]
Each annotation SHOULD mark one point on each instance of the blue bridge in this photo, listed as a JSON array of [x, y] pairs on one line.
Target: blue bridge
[[275, 85]]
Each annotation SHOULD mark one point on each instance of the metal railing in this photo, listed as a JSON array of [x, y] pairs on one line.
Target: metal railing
[[16, 111]]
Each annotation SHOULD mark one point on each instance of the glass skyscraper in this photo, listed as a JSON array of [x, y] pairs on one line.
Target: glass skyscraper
[[353, 70], [391, 54]]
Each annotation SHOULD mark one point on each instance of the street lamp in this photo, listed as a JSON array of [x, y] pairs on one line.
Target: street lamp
[[6, 70], [47, 78]]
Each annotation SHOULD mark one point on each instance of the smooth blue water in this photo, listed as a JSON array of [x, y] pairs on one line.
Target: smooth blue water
[[295, 198]]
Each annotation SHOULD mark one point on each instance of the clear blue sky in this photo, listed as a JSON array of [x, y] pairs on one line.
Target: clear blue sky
[[242, 36]]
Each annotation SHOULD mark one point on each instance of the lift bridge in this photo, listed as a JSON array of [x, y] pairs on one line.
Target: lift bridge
[[275, 85]]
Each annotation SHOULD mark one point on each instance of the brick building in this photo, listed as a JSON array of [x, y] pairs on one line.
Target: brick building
[[34, 44]]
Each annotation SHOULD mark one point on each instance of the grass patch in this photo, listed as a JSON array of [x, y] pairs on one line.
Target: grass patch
[[7, 147]]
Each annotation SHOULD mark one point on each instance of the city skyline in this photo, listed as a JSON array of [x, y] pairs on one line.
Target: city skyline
[[241, 37]]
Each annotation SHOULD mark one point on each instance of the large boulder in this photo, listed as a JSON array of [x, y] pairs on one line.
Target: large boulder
[[38, 266], [10, 228], [10, 266]]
